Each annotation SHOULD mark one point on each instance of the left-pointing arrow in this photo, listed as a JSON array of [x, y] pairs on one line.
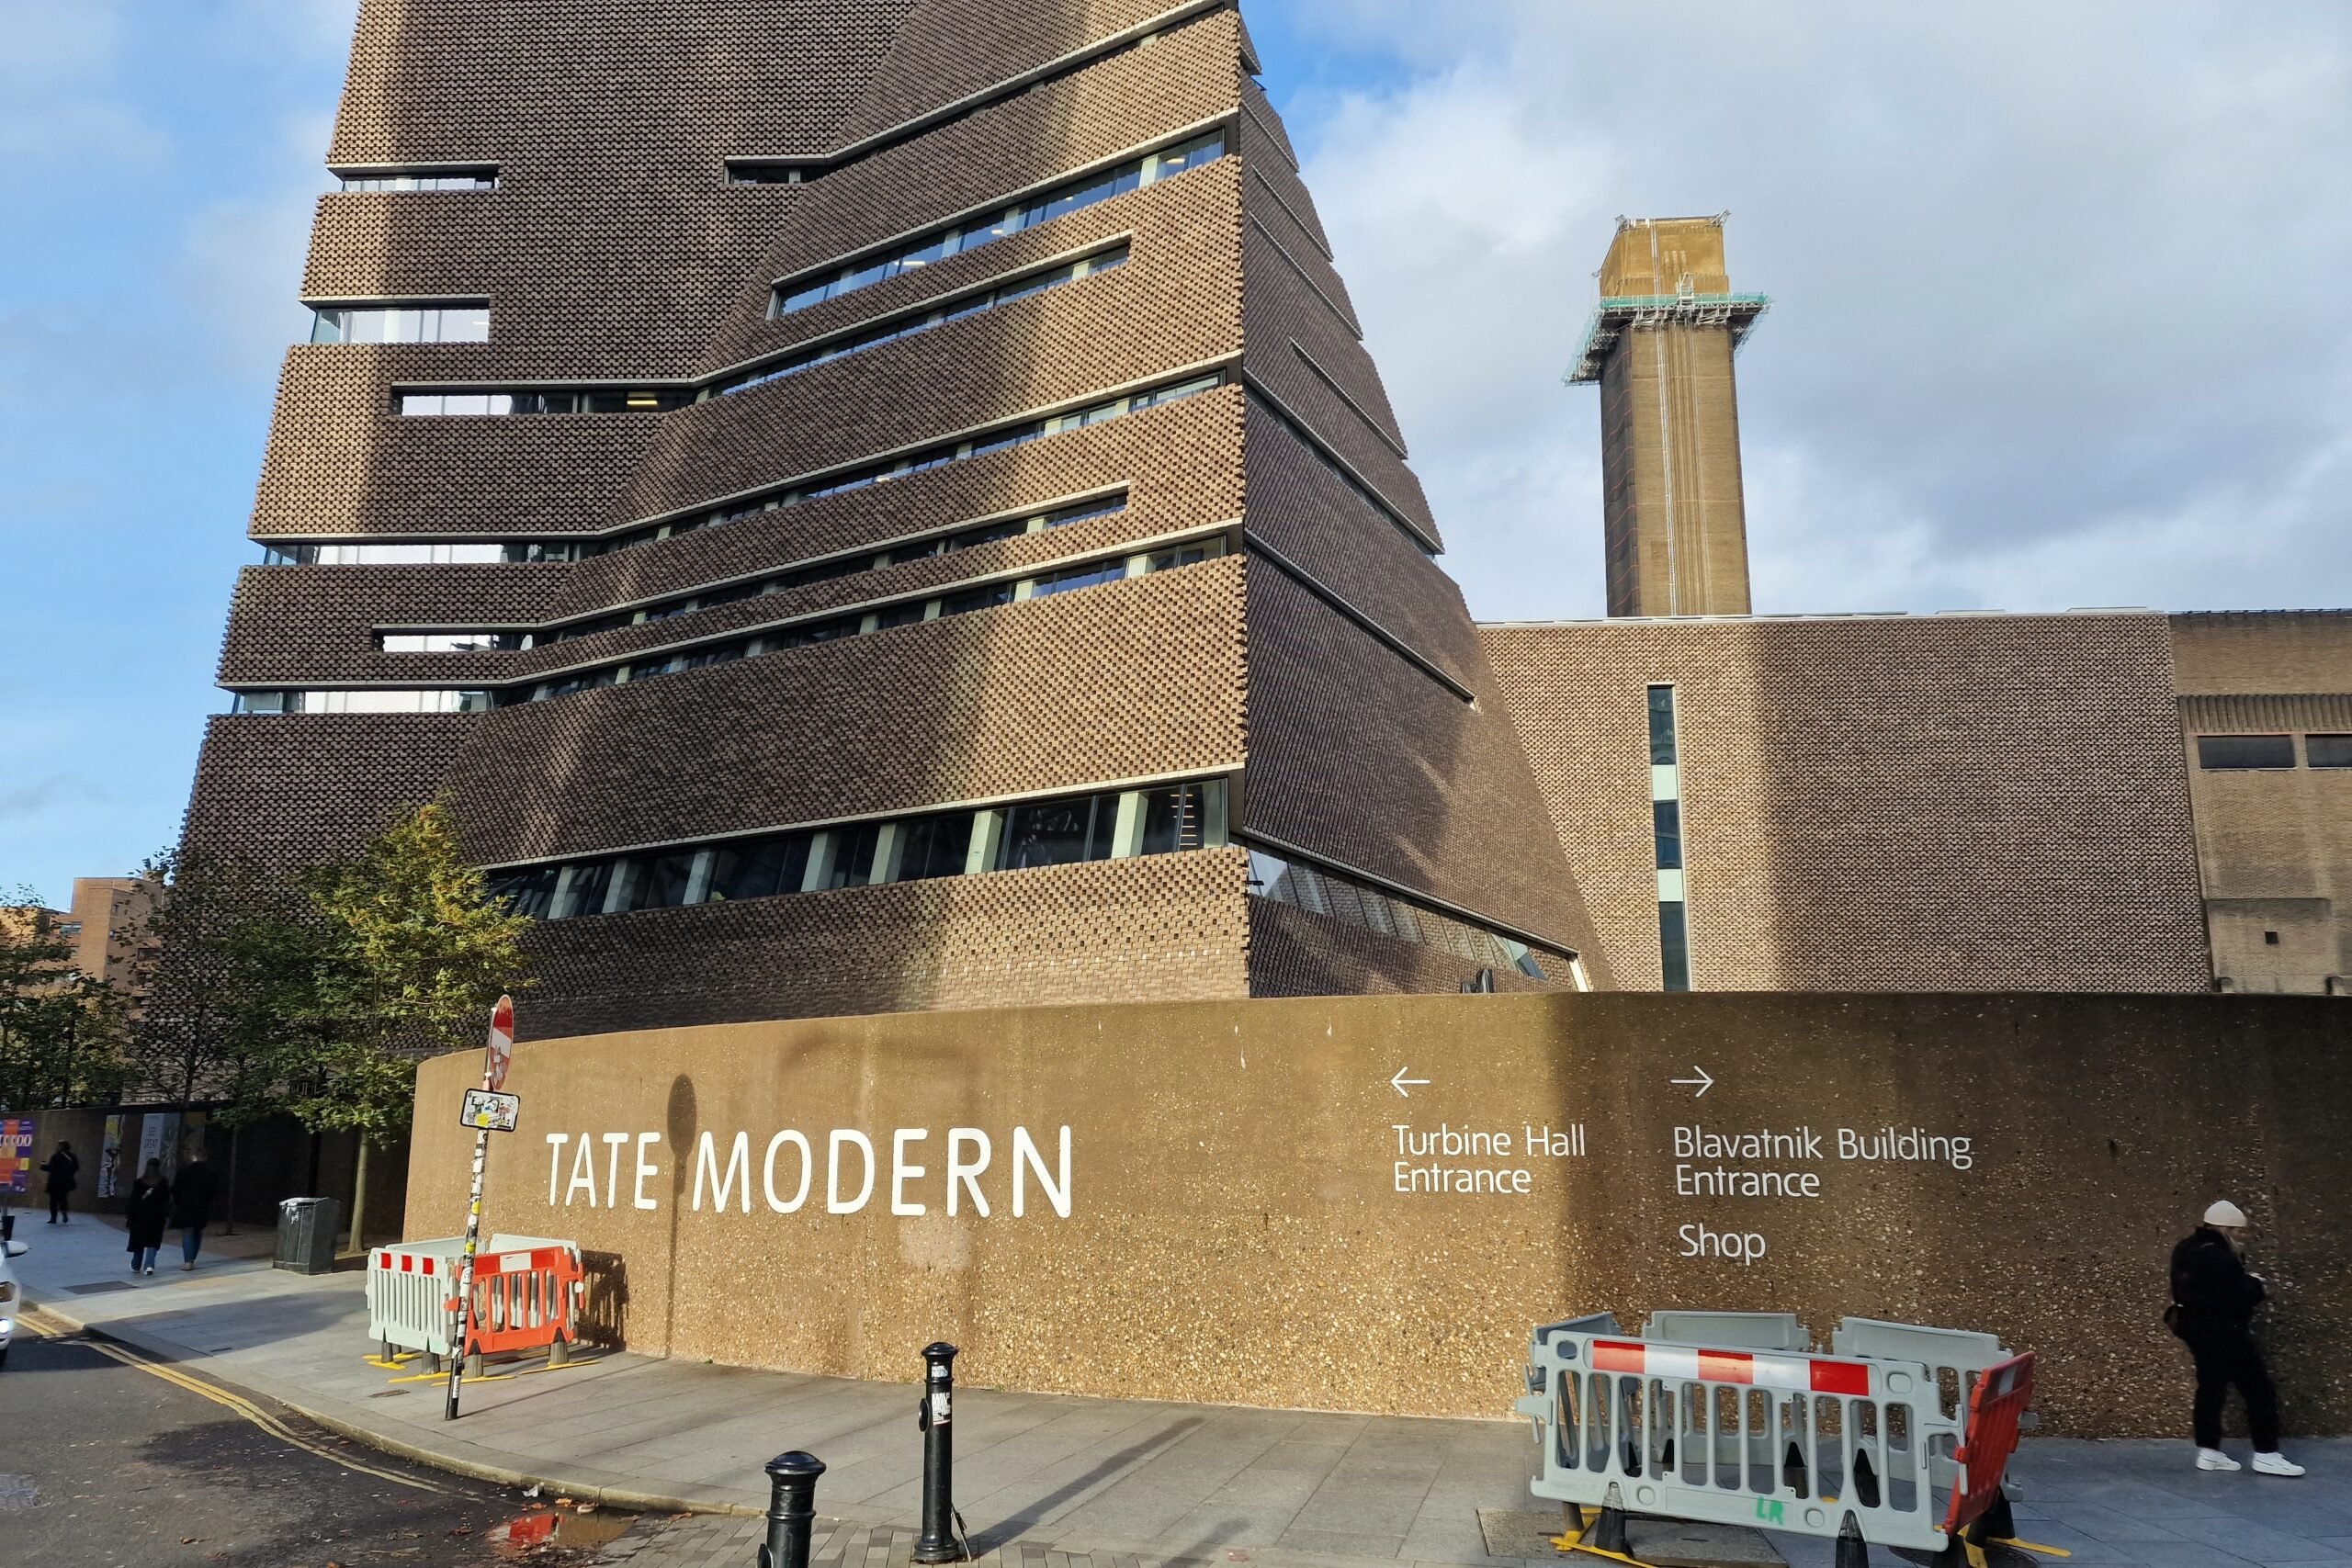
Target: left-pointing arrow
[[1401, 1080]]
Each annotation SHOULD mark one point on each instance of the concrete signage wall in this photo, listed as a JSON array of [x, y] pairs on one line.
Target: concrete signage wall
[[1365, 1203]]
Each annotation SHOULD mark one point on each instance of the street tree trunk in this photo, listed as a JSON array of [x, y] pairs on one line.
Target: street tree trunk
[[359, 1197]]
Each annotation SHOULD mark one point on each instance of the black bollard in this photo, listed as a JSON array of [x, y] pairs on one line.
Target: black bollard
[[938, 1542], [792, 1504]]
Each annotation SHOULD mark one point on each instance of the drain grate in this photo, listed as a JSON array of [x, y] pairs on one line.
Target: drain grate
[[101, 1288]]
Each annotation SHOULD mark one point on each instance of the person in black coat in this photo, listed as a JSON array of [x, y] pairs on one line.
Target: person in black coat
[[192, 1207], [2213, 1298], [64, 1169], [143, 1213]]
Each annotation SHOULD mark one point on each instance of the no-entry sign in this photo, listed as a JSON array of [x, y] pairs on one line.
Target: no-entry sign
[[501, 1045]]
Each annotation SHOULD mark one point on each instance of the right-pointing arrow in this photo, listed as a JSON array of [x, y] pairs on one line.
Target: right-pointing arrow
[[1702, 1080]]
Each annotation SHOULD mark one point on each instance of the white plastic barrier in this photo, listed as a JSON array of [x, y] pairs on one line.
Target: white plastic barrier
[[1956, 1357], [410, 1287], [1776, 1439]]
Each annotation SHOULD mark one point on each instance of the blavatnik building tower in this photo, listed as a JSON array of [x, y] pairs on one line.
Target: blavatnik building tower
[[865, 505]]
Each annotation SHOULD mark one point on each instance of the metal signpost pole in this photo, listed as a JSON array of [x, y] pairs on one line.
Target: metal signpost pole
[[493, 1075]]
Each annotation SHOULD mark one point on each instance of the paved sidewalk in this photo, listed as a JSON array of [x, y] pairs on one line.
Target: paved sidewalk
[[1042, 1479]]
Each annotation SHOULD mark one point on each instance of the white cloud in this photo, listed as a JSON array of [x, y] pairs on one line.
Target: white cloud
[[2060, 317]]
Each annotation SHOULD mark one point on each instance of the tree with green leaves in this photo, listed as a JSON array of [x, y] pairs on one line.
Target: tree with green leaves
[[230, 991], [60, 1031], [415, 951]]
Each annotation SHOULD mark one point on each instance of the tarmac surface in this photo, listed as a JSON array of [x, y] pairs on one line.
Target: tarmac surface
[[1042, 1481], [108, 1459]]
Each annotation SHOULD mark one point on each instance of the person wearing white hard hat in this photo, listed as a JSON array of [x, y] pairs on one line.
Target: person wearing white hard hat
[[2213, 1298]]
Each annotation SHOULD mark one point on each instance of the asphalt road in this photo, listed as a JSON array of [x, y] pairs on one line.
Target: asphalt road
[[104, 1463]]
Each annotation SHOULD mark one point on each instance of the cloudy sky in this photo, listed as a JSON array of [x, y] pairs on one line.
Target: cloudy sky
[[2062, 311]]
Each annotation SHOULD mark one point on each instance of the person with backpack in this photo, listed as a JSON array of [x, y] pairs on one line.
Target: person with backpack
[[2213, 1298]]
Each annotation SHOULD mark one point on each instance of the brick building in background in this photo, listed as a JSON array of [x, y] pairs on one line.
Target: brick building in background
[[887, 509], [1830, 803], [2266, 705], [2096, 801]]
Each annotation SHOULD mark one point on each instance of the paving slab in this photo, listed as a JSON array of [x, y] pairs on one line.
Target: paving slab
[[1045, 1481]]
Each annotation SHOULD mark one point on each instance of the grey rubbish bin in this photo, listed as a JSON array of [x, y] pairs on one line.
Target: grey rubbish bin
[[306, 1233]]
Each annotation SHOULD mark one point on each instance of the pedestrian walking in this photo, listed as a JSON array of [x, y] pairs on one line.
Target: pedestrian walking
[[64, 1169], [143, 1213], [192, 1206], [2213, 1298]]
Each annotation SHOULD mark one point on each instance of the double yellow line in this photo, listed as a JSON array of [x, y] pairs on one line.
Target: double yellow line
[[222, 1397]]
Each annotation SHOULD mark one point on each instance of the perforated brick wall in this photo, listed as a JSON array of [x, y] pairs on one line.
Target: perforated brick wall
[[616, 249], [1914, 803]]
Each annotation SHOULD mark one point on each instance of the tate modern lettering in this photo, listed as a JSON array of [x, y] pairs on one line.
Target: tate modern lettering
[[841, 1170]]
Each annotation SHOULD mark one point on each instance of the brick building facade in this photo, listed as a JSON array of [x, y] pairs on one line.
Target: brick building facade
[[2265, 712], [1944, 802], [888, 509]]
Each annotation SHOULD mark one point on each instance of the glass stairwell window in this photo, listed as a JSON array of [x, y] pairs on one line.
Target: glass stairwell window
[[1666, 811]]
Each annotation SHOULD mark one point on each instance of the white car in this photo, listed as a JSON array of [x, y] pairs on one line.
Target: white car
[[9, 1299]]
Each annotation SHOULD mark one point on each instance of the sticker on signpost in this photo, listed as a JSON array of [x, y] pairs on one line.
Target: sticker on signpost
[[487, 1110]]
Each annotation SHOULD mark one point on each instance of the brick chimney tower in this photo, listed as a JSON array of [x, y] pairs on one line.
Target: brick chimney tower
[[1660, 345]]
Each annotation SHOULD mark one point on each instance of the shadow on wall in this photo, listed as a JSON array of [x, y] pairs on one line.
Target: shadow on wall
[[603, 1316], [681, 1125]]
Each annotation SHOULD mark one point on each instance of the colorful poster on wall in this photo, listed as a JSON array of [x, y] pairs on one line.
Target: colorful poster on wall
[[16, 1135], [110, 1157]]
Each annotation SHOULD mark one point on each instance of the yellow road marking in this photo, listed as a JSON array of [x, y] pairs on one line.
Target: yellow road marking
[[2030, 1546], [242, 1406]]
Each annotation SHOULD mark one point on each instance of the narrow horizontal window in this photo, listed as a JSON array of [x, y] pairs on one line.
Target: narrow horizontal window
[[922, 847], [2239, 752], [2328, 750], [401, 323], [453, 642], [540, 400], [954, 308], [356, 552], [1322, 891], [954, 240], [771, 171], [483, 178], [843, 480], [363, 701], [857, 623]]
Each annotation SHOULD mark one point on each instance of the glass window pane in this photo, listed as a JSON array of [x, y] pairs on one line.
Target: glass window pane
[[2245, 752], [1174, 819], [934, 846], [1674, 946], [1668, 816], [665, 880], [584, 893], [2328, 750], [1059, 832], [852, 855], [1661, 726], [760, 869]]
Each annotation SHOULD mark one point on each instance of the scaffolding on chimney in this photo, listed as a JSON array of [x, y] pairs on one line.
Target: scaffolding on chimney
[[1612, 319]]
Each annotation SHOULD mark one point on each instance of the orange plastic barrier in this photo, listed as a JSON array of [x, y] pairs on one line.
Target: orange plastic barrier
[[1994, 1406], [524, 1300]]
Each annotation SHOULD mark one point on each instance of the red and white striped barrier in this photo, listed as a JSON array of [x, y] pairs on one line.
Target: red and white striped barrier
[[410, 1287], [1858, 1447], [1810, 1374]]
